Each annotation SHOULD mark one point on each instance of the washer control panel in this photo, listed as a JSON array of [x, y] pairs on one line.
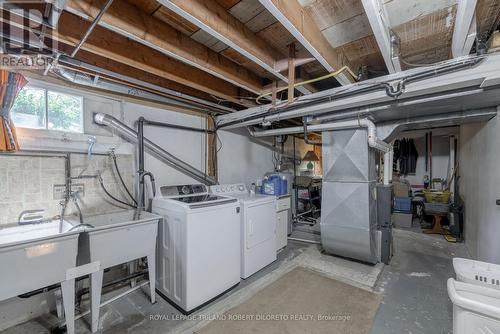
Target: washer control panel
[[183, 189], [237, 188]]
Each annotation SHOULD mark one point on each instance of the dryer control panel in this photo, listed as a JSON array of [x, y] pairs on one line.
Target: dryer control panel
[[237, 188]]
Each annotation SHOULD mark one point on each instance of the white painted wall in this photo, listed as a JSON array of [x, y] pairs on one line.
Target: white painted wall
[[188, 146], [480, 187], [243, 159], [240, 158]]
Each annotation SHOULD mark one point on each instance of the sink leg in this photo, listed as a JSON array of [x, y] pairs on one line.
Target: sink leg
[[132, 268], [68, 292], [152, 276], [59, 304], [95, 297]]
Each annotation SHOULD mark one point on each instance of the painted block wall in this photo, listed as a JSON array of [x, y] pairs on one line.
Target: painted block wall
[[480, 188], [27, 183], [240, 158], [243, 159]]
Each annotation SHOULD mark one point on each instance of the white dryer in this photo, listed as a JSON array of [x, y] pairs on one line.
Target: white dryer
[[198, 249], [258, 227]]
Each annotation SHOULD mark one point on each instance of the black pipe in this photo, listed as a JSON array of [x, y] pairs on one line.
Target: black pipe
[[140, 145], [85, 291], [390, 91], [141, 203], [426, 152]]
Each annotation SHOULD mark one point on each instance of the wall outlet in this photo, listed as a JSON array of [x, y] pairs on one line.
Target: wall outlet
[[59, 190]]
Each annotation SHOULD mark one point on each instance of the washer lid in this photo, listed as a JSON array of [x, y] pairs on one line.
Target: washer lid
[[199, 198]]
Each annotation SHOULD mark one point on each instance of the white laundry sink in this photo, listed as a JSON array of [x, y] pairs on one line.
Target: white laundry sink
[[116, 238], [35, 256]]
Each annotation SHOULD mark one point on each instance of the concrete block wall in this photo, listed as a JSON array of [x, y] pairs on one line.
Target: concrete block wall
[[27, 183]]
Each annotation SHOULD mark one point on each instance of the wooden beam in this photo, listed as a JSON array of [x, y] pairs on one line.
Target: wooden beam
[[299, 23], [211, 147], [108, 44], [212, 18], [129, 21], [464, 32], [379, 22], [274, 96], [123, 69]]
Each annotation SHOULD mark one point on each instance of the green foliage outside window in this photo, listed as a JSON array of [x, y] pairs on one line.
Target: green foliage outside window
[[38, 108]]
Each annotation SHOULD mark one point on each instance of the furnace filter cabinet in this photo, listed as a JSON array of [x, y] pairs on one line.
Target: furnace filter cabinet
[[348, 211]]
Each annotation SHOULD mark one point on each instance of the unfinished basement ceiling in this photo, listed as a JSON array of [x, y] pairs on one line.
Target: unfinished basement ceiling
[[230, 51]]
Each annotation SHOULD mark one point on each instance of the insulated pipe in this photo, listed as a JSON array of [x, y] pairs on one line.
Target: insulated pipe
[[373, 141], [171, 160]]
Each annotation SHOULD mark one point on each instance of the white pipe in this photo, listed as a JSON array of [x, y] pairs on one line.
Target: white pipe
[[373, 140]]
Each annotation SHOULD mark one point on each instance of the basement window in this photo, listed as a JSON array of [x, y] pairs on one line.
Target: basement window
[[39, 108]]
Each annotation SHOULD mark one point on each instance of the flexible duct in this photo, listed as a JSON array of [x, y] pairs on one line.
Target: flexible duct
[[131, 135], [373, 140]]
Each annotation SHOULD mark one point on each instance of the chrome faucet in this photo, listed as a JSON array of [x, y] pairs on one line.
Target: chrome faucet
[[72, 196]]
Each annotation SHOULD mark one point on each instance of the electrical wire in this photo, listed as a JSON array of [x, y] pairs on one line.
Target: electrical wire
[[113, 156], [298, 84]]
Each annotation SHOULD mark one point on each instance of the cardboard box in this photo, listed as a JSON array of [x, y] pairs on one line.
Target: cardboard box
[[402, 220], [401, 189]]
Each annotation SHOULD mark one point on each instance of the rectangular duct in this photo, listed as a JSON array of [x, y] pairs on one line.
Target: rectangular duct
[[348, 218]]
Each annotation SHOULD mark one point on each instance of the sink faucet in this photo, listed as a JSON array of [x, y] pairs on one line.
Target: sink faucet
[[72, 196]]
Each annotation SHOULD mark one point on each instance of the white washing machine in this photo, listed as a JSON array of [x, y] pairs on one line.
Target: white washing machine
[[258, 227], [198, 249]]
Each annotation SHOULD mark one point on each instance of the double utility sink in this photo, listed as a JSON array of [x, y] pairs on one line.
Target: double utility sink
[[39, 255]]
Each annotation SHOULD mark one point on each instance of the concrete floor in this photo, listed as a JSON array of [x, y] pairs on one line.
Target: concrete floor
[[413, 286]]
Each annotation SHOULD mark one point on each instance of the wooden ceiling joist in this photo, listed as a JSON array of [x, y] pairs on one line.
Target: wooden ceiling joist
[[379, 22], [105, 43], [298, 22], [465, 30], [127, 20], [213, 18], [126, 70]]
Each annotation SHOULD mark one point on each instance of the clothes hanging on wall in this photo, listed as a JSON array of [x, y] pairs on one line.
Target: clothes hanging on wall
[[405, 156]]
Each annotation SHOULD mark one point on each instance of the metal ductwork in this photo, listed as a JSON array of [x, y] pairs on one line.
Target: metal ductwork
[[389, 130], [131, 135], [465, 74], [372, 138]]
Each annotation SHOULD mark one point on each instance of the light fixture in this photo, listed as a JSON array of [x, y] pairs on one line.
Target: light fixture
[[310, 156]]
